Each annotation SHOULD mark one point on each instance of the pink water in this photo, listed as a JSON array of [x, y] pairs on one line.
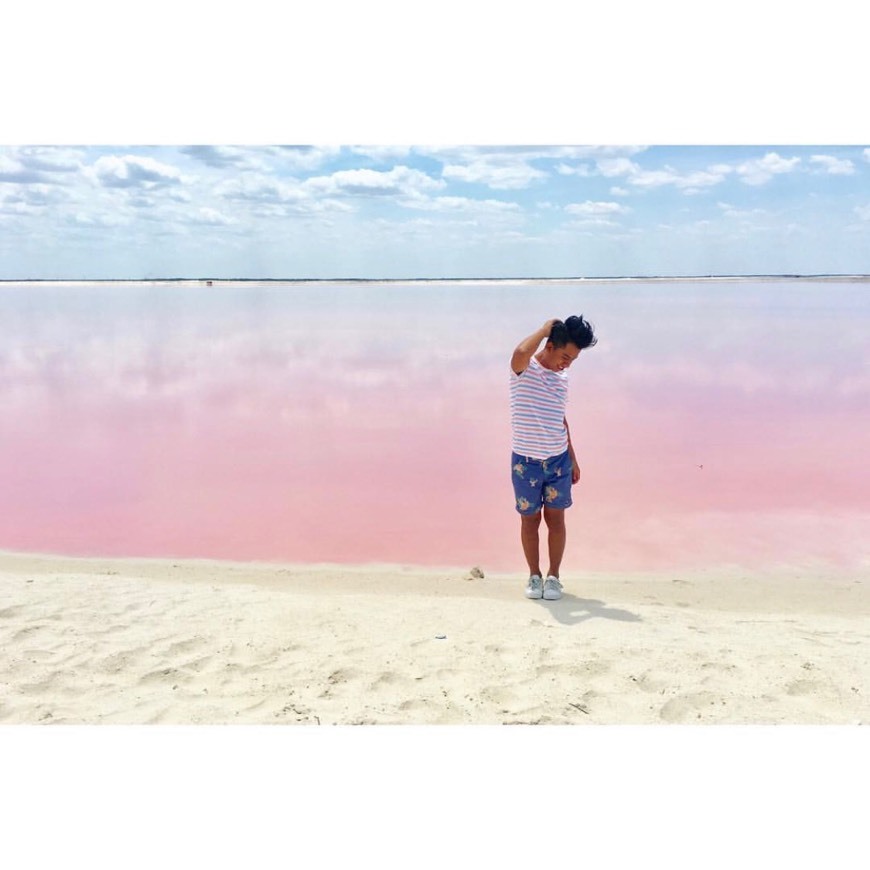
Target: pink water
[[716, 423]]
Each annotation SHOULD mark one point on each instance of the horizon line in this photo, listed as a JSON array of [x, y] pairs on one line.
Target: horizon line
[[345, 279]]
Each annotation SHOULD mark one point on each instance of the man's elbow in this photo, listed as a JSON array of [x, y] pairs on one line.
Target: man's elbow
[[519, 361]]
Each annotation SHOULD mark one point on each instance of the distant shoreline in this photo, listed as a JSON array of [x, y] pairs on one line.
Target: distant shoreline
[[205, 282]]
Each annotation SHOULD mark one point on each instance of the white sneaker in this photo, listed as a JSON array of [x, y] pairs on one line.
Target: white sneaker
[[536, 586], [552, 588]]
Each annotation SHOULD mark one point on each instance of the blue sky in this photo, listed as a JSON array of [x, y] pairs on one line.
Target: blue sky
[[259, 211], [750, 191]]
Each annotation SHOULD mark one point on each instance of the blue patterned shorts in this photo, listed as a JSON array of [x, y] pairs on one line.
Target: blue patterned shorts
[[541, 482]]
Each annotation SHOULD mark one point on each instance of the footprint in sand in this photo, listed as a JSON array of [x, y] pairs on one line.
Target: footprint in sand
[[651, 681], [196, 665], [38, 655], [116, 663], [804, 687], [27, 631], [416, 705], [688, 707], [720, 667], [50, 686], [498, 695], [505, 656], [181, 647], [592, 668], [163, 675], [551, 671], [388, 680], [342, 675]]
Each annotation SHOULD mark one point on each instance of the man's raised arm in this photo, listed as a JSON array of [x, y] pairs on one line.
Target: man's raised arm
[[527, 347]]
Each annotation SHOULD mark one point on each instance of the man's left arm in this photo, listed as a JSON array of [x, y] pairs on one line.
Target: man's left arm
[[575, 468]]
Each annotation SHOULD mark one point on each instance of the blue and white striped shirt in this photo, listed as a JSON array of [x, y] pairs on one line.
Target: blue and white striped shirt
[[538, 401]]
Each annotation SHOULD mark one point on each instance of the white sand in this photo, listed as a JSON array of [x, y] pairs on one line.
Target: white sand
[[167, 641]]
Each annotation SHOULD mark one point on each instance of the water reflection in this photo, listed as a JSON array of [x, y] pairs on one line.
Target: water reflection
[[714, 422]]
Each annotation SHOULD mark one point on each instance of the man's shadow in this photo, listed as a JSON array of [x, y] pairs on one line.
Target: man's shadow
[[571, 610]]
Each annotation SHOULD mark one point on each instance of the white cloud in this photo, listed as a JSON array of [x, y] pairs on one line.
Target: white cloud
[[579, 152], [510, 167], [269, 197], [586, 226], [109, 219], [689, 182], [302, 156], [399, 181], [132, 171], [761, 170], [701, 227], [866, 154], [654, 177], [596, 208], [464, 204], [498, 175], [35, 195], [525, 153], [590, 151], [225, 157], [260, 189], [382, 153], [211, 217], [37, 165], [268, 210], [319, 206], [49, 159], [592, 222], [581, 169], [703, 178], [300, 208], [833, 165], [612, 167], [731, 211], [13, 171], [13, 206]]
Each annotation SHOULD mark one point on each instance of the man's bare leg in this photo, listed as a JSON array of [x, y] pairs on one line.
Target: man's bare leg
[[531, 544], [555, 519]]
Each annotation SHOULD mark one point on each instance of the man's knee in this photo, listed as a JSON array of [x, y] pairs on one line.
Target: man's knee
[[531, 521], [555, 517]]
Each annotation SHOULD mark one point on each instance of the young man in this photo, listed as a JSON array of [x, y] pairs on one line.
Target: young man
[[543, 463]]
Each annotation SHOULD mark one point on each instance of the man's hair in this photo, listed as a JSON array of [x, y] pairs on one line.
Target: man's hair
[[574, 330]]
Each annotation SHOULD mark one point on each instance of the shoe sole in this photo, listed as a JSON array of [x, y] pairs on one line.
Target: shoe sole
[[552, 597], [534, 595]]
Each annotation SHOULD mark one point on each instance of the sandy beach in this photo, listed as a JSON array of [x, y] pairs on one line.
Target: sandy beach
[[134, 641]]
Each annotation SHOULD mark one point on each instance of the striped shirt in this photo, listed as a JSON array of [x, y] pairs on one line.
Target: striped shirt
[[538, 400]]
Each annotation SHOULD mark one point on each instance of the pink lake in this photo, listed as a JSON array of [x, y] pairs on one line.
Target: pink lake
[[716, 422]]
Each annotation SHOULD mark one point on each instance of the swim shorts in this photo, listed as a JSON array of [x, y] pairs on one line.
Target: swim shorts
[[541, 482]]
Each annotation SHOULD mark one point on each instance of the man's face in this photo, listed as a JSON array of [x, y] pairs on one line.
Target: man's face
[[558, 359]]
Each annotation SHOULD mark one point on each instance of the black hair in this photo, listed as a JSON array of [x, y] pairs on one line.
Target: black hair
[[574, 330]]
